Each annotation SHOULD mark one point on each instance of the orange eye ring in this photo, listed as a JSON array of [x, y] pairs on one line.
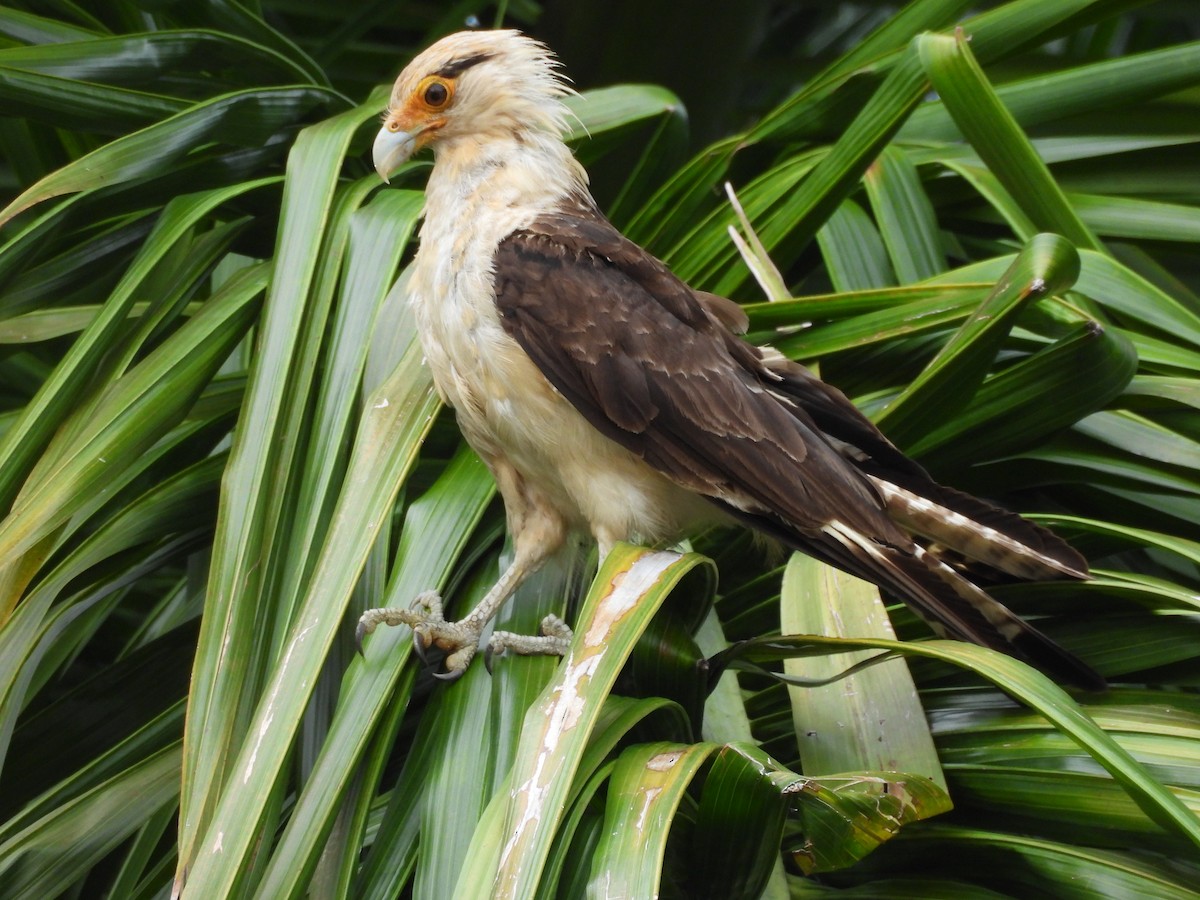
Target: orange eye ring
[[435, 92]]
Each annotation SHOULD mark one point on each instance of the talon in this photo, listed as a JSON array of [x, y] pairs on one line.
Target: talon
[[492, 652], [461, 658], [421, 644], [360, 632], [367, 623], [460, 639]]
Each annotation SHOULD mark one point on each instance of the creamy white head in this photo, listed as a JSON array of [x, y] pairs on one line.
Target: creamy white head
[[472, 86]]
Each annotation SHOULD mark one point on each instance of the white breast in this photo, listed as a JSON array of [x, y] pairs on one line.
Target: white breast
[[474, 363]]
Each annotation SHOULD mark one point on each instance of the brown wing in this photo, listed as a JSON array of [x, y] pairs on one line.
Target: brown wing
[[656, 368], [639, 355]]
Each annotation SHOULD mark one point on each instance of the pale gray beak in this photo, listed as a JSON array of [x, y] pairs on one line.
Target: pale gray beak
[[391, 149]]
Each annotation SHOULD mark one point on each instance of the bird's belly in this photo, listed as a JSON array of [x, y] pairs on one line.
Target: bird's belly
[[508, 411], [600, 486]]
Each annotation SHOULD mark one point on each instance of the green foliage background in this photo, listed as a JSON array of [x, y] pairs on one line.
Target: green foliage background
[[218, 444]]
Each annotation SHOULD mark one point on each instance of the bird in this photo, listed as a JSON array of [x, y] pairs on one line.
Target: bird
[[611, 400]]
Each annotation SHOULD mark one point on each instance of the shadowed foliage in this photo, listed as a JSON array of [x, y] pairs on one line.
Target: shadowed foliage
[[218, 444]]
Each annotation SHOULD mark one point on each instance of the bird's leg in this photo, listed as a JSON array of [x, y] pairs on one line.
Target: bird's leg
[[537, 533], [555, 638]]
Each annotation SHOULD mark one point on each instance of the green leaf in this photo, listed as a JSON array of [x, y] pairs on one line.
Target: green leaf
[[95, 108], [996, 137], [842, 819], [609, 109], [243, 118], [67, 384], [799, 217], [387, 443], [739, 823], [907, 221], [1022, 864], [620, 721], [31, 29], [1055, 96], [144, 58], [1135, 298], [1185, 548], [646, 789], [1020, 406], [1127, 217], [628, 590], [96, 455], [1048, 265], [79, 834], [853, 251], [898, 30], [223, 696], [1021, 682], [870, 720]]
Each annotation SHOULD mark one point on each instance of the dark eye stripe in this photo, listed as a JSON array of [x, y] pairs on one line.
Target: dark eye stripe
[[457, 67]]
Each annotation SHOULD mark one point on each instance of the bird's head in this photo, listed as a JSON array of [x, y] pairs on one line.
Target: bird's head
[[474, 85]]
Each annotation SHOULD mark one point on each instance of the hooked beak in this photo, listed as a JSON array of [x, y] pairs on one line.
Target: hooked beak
[[392, 148]]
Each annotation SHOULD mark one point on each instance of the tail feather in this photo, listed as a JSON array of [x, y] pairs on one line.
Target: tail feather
[[955, 607], [981, 532], [903, 559], [949, 603], [964, 523]]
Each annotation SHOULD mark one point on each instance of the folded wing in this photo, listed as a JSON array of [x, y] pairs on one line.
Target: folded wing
[[657, 368]]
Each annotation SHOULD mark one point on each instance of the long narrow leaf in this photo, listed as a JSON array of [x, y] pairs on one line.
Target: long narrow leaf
[[997, 138], [1029, 686], [223, 693]]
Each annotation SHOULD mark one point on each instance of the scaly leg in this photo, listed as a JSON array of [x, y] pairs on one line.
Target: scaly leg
[[538, 531], [555, 638]]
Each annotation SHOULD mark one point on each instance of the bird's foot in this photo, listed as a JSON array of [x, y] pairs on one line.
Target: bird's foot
[[460, 640], [554, 640]]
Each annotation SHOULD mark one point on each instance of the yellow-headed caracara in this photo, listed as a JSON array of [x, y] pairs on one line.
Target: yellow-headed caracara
[[608, 397]]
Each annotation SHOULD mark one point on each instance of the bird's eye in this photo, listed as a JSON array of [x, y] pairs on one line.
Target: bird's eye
[[436, 95]]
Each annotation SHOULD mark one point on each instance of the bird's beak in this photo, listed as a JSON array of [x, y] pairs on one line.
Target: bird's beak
[[391, 149]]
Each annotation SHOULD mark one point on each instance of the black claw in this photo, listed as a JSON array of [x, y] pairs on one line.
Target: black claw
[[359, 633], [419, 648], [452, 675], [487, 660]]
